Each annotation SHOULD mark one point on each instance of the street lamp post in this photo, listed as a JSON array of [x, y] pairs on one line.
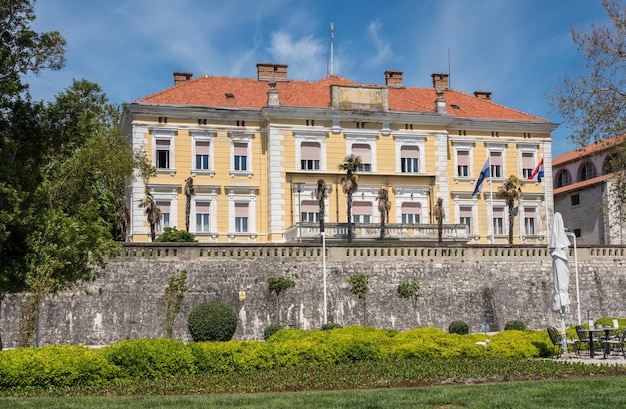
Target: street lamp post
[[299, 218], [324, 275], [570, 234]]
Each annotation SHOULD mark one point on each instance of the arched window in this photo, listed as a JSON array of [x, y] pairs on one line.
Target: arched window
[[588, 171], [563, 178]]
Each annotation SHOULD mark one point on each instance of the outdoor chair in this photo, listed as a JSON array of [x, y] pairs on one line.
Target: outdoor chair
[[615, 344], [583, 338], [557, 342]]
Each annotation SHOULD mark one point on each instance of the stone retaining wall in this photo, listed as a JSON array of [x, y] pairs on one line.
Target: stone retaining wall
[[476, 284]]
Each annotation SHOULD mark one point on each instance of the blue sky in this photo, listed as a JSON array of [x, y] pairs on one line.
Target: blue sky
[[515, 48]]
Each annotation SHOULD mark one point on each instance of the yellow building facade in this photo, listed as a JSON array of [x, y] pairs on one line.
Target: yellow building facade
[[256, 148]]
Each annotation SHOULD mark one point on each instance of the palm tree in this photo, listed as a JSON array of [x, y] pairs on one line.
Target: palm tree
[[350, 185], [189, 191], [440, 214], [153, 213], [383, 208], [321, 194], [510, 191], [122, 220]]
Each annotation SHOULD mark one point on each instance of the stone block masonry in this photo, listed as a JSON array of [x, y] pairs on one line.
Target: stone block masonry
[[476, 284]]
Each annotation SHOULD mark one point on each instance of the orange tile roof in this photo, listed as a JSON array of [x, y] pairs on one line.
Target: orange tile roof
[[588, 150], [252, 93], [578, 185]]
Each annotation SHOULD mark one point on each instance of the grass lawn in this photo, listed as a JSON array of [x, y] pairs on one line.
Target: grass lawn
[[588, 393]]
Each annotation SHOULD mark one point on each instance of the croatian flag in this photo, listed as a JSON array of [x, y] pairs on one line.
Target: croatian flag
[[484, 173], [537, 173]]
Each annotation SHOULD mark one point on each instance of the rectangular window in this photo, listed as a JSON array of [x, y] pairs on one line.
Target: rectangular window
[[409, 159], [364, 153], [309, 211], [527, 164], [361, 212], [577, 233], [162, 154], [310, 156], [202, 216], [465, 217], [241, 156], [575, 199], [529, 221], [165, 213], [411, 213], [241, 217], [498, 221], [462, 168], [202, 155], [496, 164]]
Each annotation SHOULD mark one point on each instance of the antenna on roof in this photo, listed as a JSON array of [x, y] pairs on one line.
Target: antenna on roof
[[331, 53], [449, 82]]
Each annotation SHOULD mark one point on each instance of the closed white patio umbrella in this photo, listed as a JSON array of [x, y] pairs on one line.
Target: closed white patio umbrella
[[558, 244]]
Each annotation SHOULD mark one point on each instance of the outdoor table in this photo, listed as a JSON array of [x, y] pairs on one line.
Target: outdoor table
[[607, 331]]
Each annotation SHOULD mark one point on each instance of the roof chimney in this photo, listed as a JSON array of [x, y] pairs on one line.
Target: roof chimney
[[271, 72], [393, 78], [440, 80], [483, 95], [180, 77], [440, 103], [272, 95]]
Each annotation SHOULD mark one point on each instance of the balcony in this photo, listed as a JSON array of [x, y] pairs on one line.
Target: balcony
[[451, 233]]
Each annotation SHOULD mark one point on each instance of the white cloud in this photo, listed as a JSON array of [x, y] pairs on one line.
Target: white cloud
[[305, 56], [383, 50]]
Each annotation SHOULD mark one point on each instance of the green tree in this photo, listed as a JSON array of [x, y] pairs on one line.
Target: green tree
[[349, 184], [172, 300], [278, 286], [173, 235], [359, 286], [153, 213], [383, 209], [510, 191], [321, 194], [410, 289], [189, 191], [591, 97]]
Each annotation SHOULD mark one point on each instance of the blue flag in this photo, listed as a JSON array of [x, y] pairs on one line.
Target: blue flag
[[484, 173]]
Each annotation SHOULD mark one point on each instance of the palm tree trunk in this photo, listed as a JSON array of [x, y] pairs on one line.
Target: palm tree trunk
[[152, 232], [187, 212], [382, 225], [349, 210], [322, 215], [511, 222]]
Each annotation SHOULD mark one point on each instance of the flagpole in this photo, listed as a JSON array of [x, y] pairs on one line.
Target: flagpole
[[490, 219]]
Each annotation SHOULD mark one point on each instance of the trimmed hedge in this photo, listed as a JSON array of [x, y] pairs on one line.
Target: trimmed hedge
[[25, 369]]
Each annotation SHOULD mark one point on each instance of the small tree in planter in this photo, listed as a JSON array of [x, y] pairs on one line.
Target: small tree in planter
[[410, 289], [359, 287], [277, 286], [172, 300]]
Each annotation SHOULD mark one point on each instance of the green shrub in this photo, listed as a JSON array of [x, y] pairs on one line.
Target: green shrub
[[212, 321], [516, 344], [173, 235], [225, 357], [151, 358], [54, 366], [330, 325], [514, 325], [458, 327], [271, 330]]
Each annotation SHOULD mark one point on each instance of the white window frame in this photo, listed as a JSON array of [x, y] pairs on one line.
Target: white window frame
[[165, 193], [202, 136], [164, 134], [465, 147], [497, 148], [363, 138], [532, 149], [240, 137], [242, 194], [311, 136], [205, 194], [419, 141], [411, 194]]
